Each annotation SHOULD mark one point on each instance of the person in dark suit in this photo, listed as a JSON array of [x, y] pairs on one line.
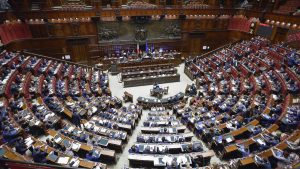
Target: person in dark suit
[[92, 156], [10, 134], [76, 119], [38, 156], [20, 146]]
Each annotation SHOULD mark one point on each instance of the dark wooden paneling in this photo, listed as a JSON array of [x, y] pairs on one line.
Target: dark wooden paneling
[[280, 34], [57, 47], [78, 49]]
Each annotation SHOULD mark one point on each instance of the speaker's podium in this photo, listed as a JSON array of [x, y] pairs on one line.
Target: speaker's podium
[[114, 69]]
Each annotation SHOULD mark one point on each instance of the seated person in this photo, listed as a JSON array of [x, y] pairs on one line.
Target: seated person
[[134, 149], [280, 155], [193, 89], [243, 150], [261, 162], [155, 85], [256, 130], [38, 155], [20, 146], [76, 119], [93, 155], [294, 146], [270, 140], [10, 134]]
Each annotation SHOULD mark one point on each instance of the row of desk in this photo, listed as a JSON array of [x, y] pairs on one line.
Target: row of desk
[[250, 161], [166, 102], [161, 161], [147, 73], [149, 80], [114, 144], [133, 69], [64, 141]]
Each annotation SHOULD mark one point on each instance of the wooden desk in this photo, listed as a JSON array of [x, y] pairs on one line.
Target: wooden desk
[[247, 161], [127, 97], [82, 162], [10, 154], [105, 152], [87, 164], [148, 73], [145, 66], [141, 81]]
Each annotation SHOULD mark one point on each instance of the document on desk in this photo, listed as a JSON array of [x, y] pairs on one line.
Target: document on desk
[[76, 146], [103, 130], [229, 139], [28, 141], [88, 125], [260, 141], [96, 128], [57, 139], [63, 160], [182, 160], [27, 117], [70, 129], [37, 123]]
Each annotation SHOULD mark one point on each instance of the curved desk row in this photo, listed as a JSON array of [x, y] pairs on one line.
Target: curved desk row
[[165, 102]]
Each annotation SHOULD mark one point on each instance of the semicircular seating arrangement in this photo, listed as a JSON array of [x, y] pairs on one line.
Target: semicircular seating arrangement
[[243, 109], [247, 108], [61, 113]]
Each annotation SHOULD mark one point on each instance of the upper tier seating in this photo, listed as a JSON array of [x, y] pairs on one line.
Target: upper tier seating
[[289, 7], [139, 5], [195, 5]]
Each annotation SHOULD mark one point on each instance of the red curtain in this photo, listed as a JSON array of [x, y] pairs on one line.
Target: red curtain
[[14, 31]]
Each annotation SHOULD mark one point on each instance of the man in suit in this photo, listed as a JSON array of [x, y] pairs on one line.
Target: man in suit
[[76, 119], [38, 156]]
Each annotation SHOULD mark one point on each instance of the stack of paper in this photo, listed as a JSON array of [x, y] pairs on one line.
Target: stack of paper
[[63, 160]]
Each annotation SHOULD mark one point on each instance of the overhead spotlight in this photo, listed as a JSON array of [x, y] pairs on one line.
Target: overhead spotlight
[[295, 25]]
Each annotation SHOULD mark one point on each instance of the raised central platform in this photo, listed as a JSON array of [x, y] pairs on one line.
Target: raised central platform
[[142, 81]]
